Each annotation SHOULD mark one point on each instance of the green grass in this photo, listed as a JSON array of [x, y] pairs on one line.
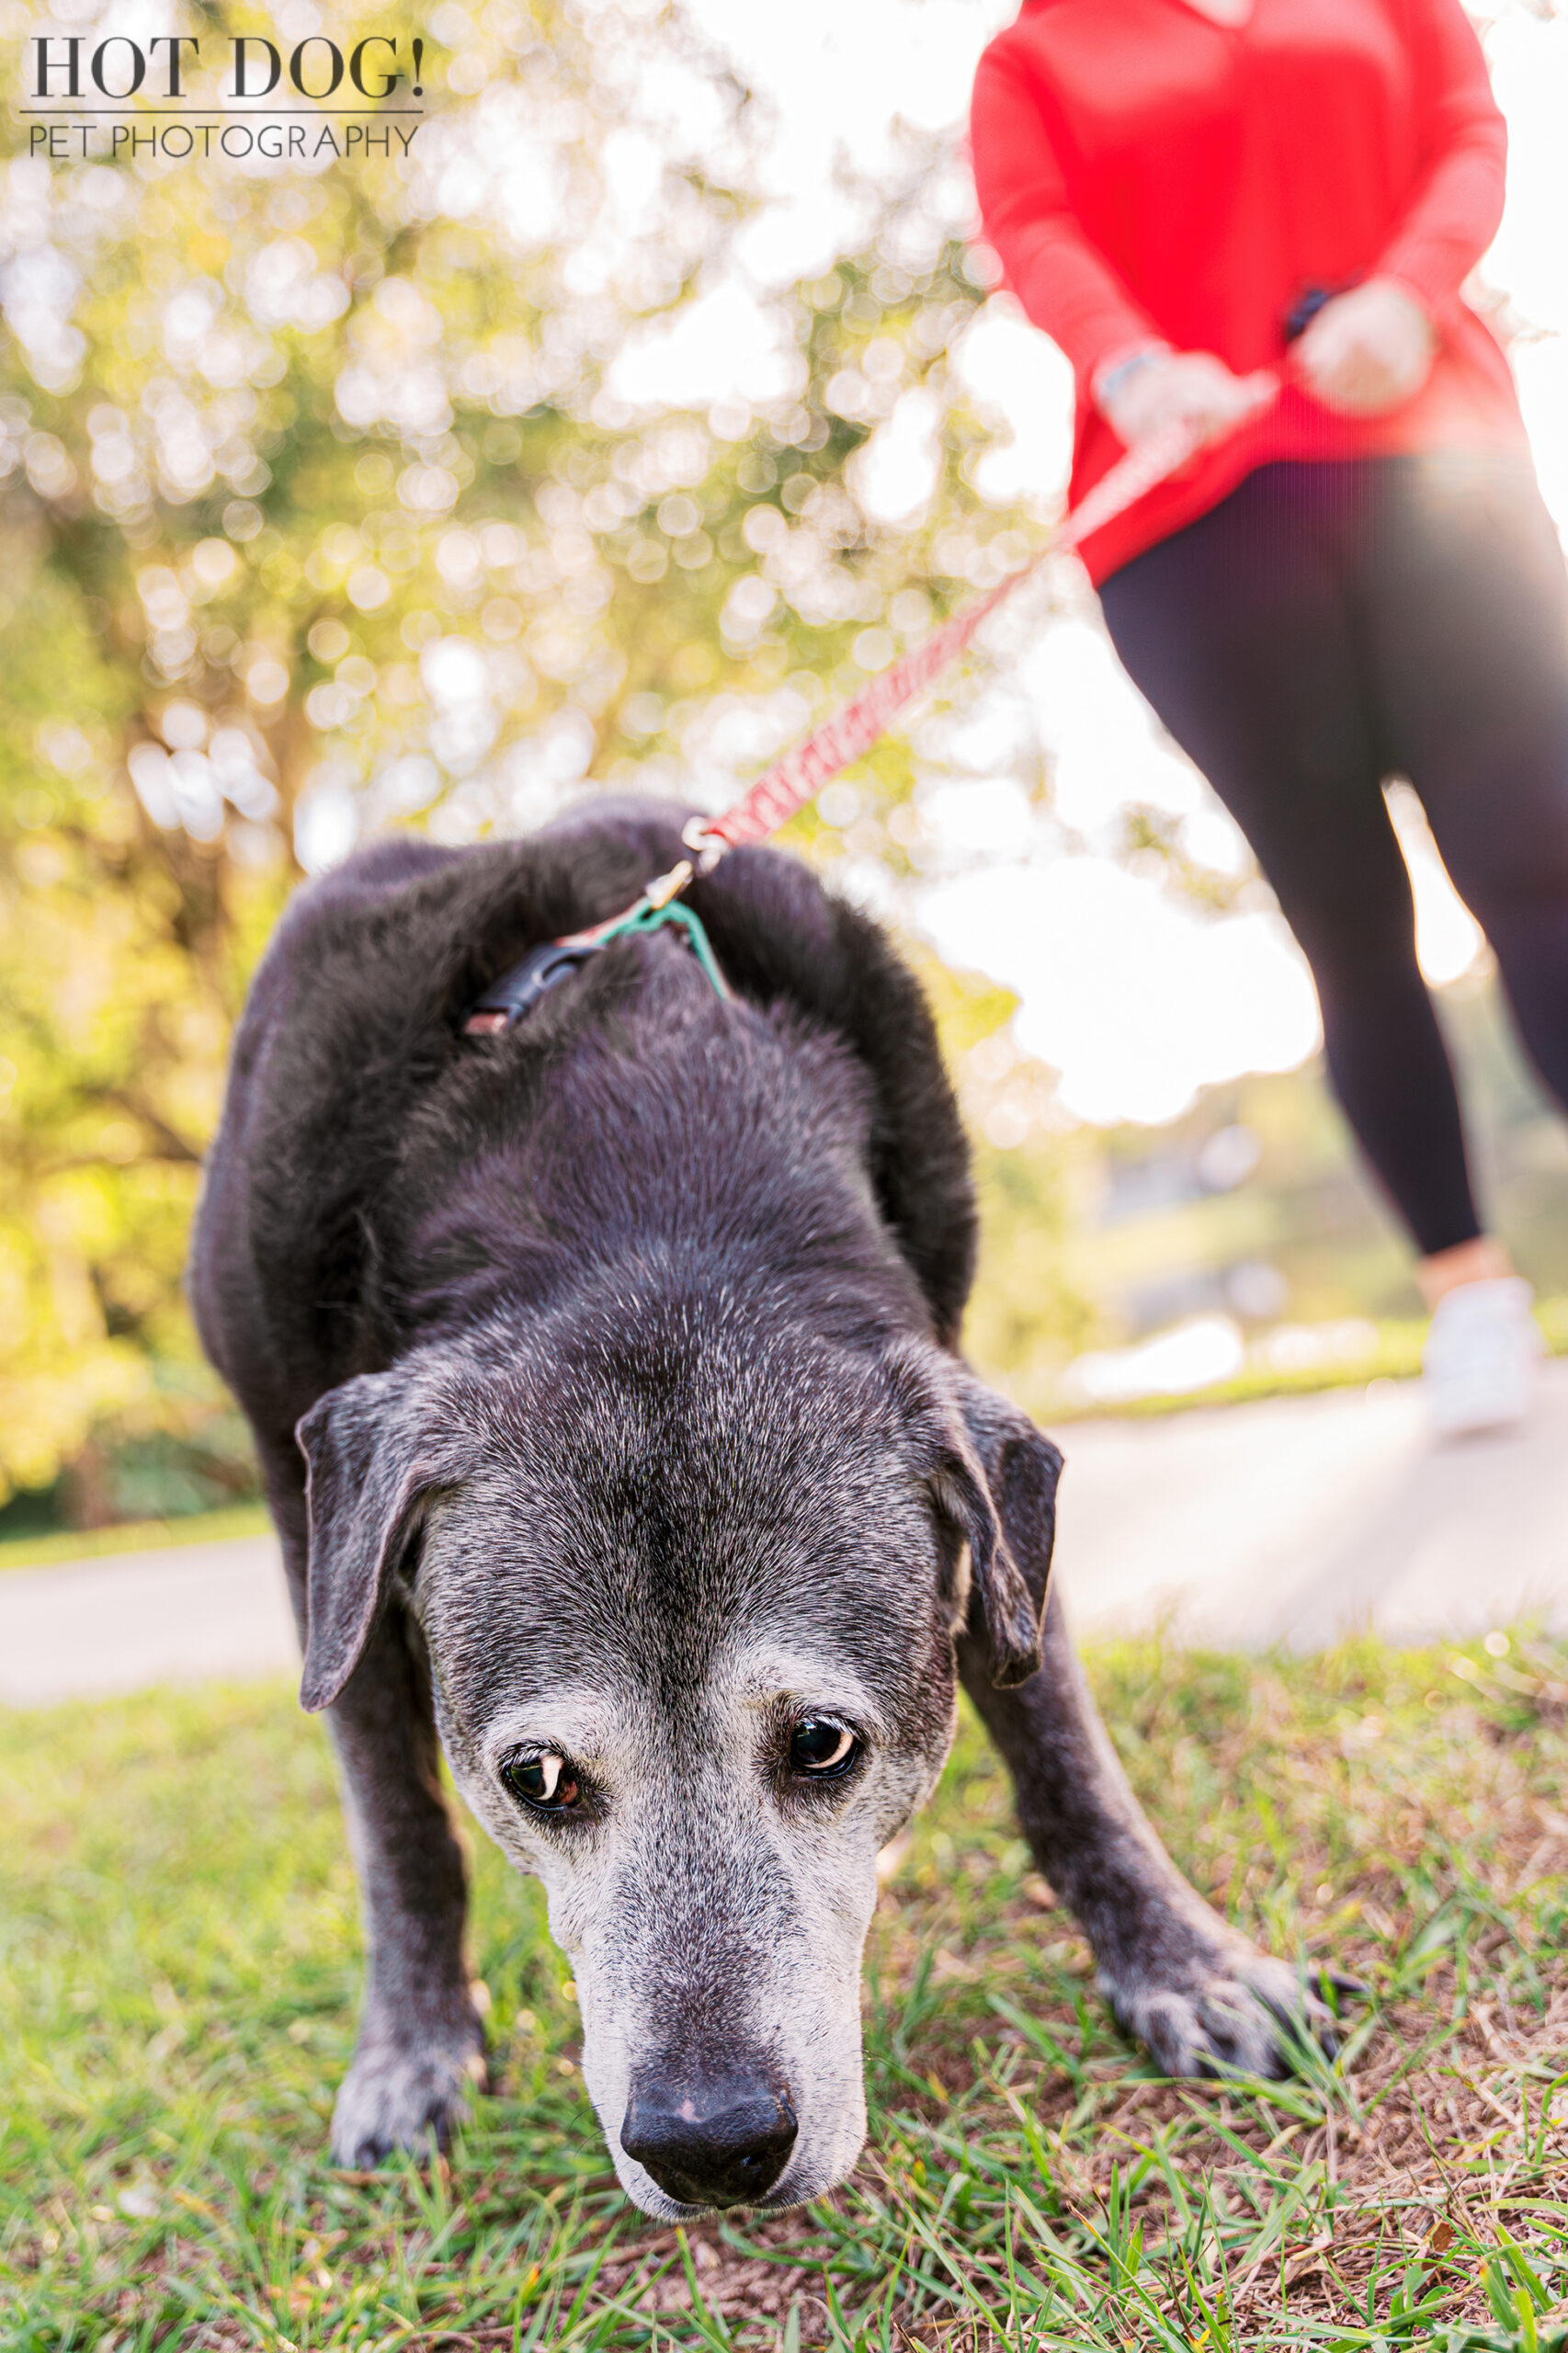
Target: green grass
[[51, 1546], [178, 1967]]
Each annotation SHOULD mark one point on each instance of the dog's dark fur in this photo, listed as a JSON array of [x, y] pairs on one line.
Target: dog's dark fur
[[622, 1352]]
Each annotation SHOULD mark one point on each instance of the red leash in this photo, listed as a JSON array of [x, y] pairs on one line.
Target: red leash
[[799, 777], [784, 789]]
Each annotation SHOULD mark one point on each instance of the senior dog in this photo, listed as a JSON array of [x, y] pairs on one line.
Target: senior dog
[[604, 1382]]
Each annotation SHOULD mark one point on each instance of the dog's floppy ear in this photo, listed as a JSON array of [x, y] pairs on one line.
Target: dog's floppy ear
[[1021, 1468], [991, 1478], [375, 1451]]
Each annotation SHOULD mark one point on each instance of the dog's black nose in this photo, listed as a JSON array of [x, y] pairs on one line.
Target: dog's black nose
[[721, 2141]]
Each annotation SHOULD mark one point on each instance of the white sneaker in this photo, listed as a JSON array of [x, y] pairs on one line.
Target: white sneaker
[[1480, 1361]]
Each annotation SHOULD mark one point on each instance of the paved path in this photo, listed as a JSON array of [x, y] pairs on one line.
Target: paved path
[[1307, 1517], [190, 1613], [1291, 1521]]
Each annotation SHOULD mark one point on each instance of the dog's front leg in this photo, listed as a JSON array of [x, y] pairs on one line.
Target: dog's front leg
[[421, 2047], [1195, 1990]]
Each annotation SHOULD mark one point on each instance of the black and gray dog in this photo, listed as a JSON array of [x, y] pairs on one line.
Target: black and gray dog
[[605, 1380]]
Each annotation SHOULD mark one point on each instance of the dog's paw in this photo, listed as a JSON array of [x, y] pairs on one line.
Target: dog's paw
[[405, 2090], [1227, 2010]]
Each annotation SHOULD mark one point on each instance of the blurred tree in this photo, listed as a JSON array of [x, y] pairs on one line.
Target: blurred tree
[[333, 499]]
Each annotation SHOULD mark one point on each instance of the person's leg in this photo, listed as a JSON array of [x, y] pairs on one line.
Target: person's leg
[[1241, 633], [1465, 606], [1467, 624]]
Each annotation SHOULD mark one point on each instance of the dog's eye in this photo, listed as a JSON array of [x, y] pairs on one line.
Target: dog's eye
[[823, 1747], [542, 1780]]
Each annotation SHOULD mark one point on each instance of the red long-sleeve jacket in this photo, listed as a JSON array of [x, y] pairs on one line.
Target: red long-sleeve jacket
[[1144, 172]]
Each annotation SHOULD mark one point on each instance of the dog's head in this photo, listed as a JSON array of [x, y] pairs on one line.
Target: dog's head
[[690, 1589]]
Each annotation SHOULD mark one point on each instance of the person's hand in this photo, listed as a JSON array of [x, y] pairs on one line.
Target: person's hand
[[1189, 388], [1368, 350]]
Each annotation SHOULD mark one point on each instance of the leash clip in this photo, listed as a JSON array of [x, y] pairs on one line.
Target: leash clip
[[706, 846], [665, 887], [518, 991]]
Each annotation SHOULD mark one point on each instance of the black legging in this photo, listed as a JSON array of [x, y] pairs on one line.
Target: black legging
[[1331, 625]]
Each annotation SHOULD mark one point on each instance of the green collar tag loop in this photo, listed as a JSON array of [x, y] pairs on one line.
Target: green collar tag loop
[[508, 998], [645, 918]]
